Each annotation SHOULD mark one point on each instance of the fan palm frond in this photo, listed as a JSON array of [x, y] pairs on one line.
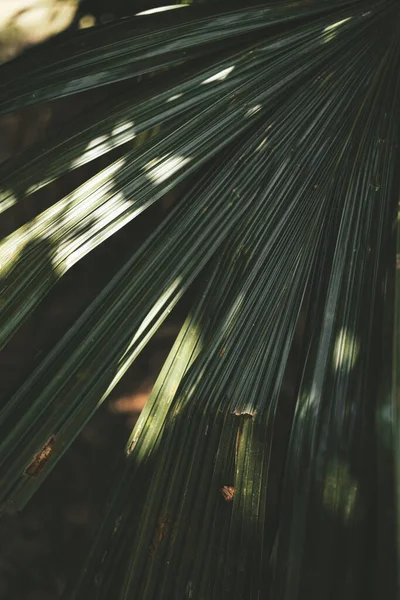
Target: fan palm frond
[[284, 120]]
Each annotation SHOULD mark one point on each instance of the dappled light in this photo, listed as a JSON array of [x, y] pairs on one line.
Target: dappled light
[[121, 133], [346, 351], [164, 392], [331, 30], [220, 76], [87, 21], [69, 253], [253, 110], [32, 189], [7, 200], [386, 416], [61, 216], [149, 321], [340, 490], [152, 11], [175, 97], [161, 169], [260, 459], [262, 144], [307, 405], [336, 25]]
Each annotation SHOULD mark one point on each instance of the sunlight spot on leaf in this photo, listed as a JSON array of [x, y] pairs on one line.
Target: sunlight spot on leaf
[[36, 186], [331, 30], [261, 144], [122, 133], [346, 350], [87, 21], [233, 313], [159, 9], [385, 417], [94, 231], [68, 215], [122, 127], [161, 169], [174, 97], [7, 199], [336, 25], [151, 322], [162, 300], [10, 249], [91, 153], [308, 403], [254, 110], [340, 490], [329, 37], [189, 590], [220, 76], [96, 141]]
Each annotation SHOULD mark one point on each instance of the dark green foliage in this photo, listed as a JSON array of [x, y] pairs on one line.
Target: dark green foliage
[[286, 116]]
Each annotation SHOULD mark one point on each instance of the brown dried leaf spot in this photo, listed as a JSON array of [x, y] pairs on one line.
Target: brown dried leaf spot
[[243, 413], [163, 527], [41, 457], [227, 492]]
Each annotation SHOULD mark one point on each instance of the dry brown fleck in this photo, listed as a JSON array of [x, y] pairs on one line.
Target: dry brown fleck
[[163, 527], [130, 447], [243, 413], [41, 457], [227, 492]]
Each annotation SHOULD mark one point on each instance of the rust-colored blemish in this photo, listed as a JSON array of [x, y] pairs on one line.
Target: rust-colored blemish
[[222, 352], [131, 446], [163, 527], [40, 458], [228, 492]]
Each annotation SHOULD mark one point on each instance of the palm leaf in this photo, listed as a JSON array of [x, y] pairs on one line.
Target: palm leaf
[[96, 210], [339, 384], [293, 216], [137, 46]]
